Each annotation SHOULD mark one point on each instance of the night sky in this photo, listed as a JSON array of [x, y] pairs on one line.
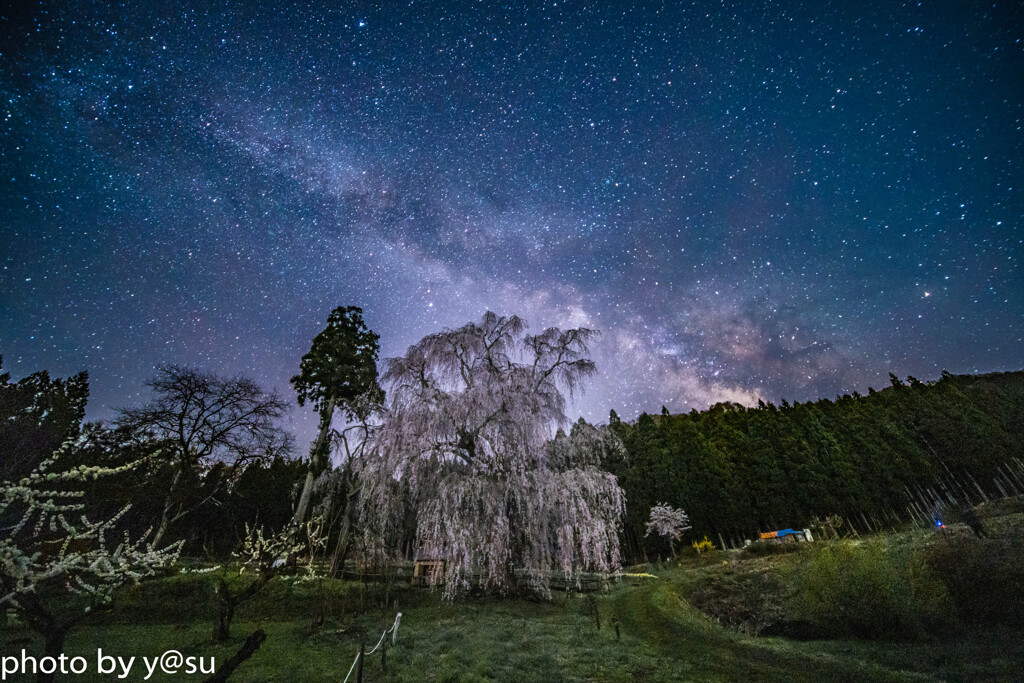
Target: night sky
[[788, 200]]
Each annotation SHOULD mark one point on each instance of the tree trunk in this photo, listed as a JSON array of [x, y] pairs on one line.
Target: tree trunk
[[226, 603], [341, 548], [53, 646], [248, 649], [165, 519], [222, 622], [225, 612], [307, 489], [321, 440], [39, 619]]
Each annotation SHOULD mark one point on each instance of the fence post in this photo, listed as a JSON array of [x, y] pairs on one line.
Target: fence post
[[359, 666], [592, 604]]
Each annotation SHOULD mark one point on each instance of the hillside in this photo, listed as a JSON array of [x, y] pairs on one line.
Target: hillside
[[928, 605], [910, 452]]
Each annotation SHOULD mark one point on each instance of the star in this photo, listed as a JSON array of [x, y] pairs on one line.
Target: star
[[242, 173]]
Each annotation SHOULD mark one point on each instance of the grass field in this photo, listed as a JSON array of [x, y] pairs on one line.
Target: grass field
[[694, 620]]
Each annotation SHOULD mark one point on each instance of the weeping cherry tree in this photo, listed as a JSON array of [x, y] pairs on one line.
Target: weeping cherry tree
[[466, 463], [668, 522]]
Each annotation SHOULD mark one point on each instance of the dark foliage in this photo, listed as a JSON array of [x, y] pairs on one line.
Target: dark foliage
[[341, 365], [984, 577], [880, 460], [37, 414], [764, 549], [263, 495]]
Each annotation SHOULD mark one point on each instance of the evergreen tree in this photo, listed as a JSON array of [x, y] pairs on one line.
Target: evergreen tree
[[37, 415], [338, 373]]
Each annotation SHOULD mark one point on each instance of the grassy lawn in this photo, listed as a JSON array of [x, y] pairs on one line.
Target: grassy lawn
[[705, 619], [663, 638]]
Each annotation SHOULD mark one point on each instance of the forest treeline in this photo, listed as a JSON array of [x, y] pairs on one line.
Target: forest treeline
[[906, 453], [909, 452]]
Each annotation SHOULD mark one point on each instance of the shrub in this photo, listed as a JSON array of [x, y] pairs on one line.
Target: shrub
[[1004, 506], [703, 545], [985, 578], [870, 590], [751, 602]]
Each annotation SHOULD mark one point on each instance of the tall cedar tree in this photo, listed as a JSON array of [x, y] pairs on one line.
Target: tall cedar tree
[[338, 373]]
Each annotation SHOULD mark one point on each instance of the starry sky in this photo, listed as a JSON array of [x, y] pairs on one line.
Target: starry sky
[[749, 199]]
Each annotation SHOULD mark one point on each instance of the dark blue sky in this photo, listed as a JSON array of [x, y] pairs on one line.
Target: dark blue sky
[[749, 200]]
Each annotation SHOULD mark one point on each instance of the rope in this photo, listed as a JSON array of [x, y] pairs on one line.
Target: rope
[[350, 668], [393, 630], [394, 627], [378, 643]]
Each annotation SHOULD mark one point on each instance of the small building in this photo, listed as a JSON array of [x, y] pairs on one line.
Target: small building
[[427, 571], [787, 536]]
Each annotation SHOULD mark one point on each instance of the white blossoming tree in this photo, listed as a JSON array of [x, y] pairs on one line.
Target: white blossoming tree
[[261, 556], [464, 460], [669, 522], [56, 565]]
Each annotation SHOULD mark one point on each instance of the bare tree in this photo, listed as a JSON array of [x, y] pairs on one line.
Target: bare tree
[[465, 449], [204, 419]]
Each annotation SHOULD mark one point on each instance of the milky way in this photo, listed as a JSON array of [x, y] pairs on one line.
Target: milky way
[[749, 201]]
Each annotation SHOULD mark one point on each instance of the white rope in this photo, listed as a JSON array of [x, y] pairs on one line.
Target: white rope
[[378, 643], [393, 629], [350, 668]]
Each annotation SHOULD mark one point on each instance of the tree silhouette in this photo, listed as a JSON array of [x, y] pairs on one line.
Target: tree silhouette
[[202, 420], [338, 373]]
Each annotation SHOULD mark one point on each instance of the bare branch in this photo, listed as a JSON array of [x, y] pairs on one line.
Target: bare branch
[[207, 419]]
